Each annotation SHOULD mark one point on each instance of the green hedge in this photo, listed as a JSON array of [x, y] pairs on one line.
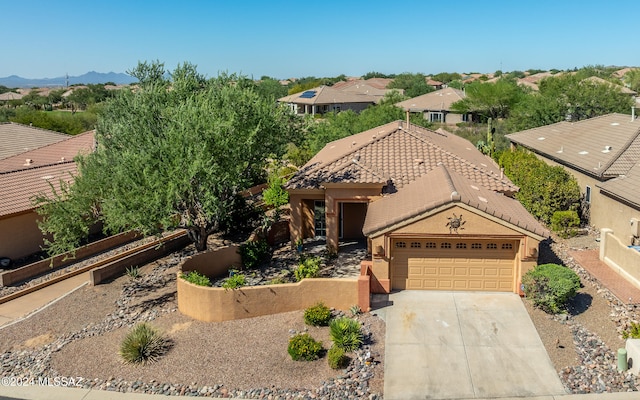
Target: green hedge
[[551, 286]]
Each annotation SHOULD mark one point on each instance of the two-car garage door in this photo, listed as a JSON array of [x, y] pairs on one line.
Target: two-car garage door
[[460, 264]]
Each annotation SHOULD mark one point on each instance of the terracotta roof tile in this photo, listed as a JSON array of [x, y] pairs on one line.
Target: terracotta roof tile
[[18, 138], [391, 152], [437, 101], [443, 186], [625, 187], [58, 152], [329, 95], [19, 187], [603, 146]]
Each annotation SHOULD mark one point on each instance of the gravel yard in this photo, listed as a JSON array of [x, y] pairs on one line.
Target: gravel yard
[[79, 336]]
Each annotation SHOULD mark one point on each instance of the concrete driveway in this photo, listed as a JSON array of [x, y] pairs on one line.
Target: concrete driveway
[[463, 345]]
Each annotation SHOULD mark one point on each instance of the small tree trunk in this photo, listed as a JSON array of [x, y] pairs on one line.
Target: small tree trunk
[[198, 236]]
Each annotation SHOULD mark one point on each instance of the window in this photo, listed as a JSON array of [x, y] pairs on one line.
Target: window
[[465, 117], [435, 117], [461, 245], [445, 245], [492, 246], [401, 245], [476, 245], [415, 245], [507, 246], [430, 245], [587, 195]]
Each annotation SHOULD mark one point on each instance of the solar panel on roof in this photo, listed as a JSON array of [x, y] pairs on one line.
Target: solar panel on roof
[[308, 94]]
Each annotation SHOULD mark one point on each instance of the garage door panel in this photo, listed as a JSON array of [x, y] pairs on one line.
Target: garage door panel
[[454, 268]]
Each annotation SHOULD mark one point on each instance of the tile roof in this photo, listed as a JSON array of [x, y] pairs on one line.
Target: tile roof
[[19, 187], [18, 138], [602, 147], [58, 152], [439, 187], [436, 101], [399, 155], [10, 96], [600, 81], [625, 187], [329, 95]]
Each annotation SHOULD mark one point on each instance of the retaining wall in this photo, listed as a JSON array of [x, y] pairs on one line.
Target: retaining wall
[[50, 264], [214, 304], [621, 258]]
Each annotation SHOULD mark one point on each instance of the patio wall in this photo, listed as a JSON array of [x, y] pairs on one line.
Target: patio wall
[[621, 258], [214, 304]]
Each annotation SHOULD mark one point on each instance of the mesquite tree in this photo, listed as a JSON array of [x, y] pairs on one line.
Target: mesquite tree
[[172, 153]]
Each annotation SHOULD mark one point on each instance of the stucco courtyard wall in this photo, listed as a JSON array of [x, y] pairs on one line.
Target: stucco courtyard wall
[[213, 304], [617, 255]]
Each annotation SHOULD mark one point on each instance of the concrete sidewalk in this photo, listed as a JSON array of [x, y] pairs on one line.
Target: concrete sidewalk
[[62, 393], [26, 305]]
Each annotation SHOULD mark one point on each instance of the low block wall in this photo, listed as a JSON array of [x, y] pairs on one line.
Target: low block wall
[[214, 263], [119, 267], [622, 259], [43, 266], [214, 304]]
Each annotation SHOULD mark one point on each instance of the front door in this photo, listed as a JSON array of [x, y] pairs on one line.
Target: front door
[[319, 219]]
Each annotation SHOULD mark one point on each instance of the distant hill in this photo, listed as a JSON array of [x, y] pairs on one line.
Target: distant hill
[[92, 77]]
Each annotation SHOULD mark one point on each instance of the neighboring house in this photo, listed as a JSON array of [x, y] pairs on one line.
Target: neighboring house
[[18, 138], [436, 106], [436, 213], [623, 89], [8, 96], [325, 99], [437, 85], [603, 154], [26, 174]]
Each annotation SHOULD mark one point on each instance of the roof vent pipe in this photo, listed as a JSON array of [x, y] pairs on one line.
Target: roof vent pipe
[[633, 113], [408, 119]]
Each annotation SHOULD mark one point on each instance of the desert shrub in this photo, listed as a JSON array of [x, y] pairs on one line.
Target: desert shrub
[[565, 223], [633, 332], [317, 315], [345, 333], [336, 358], [308, 268], [304, 347], [133, 272], [142, 345], [253, 253], [276, 281], [196, 278], [234, 281], [550, 286]]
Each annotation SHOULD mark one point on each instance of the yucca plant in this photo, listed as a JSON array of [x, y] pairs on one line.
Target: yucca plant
[[345, 333], [142, 345]]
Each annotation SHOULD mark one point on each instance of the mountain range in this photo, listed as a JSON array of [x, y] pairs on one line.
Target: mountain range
[[92, 77]]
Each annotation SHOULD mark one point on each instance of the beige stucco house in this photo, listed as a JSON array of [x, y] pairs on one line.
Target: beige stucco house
[[603, 154], [436, 106], [326, 99], [32, 161], [435, 212]]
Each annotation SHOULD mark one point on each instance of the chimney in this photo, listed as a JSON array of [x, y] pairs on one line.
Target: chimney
[[408, 119]]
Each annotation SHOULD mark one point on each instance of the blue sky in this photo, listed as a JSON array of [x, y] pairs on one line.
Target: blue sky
[[46, 39]]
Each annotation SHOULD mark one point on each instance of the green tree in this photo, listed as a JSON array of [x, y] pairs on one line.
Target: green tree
[[490, 100], [632, 79], [271, 89], [172, 158], [446, 77], [374, 74], [413, 84], [543, 189]]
